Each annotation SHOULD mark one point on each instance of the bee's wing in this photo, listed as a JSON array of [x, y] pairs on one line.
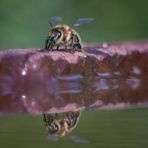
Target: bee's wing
[[53, 138], [82, 21], [79, 140], [55, 20]]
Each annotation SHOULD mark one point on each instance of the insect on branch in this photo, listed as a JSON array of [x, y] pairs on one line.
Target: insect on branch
[[34, 82]]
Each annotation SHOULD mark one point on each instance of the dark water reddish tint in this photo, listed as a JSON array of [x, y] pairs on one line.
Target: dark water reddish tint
[[111, 76]]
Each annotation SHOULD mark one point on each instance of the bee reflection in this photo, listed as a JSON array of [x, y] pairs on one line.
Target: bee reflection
[[60, 124]]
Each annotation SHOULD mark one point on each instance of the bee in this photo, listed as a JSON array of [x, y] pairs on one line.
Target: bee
[[61, 35], [60, 124]]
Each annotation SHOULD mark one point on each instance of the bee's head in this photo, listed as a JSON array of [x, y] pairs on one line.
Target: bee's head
[[57, 128], [55, 34], [61, 124], [53, 128], [58, 32]]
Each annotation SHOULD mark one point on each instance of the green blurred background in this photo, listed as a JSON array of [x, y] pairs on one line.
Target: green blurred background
[[103, 129], [24, 24]]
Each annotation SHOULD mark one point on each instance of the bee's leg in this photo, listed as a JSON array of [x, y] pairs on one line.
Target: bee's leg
[[65, 47], [44, 118], [57, 47], [71, 42], [50, 118], [78, 47], [76, 43], [65, 44], [46, 43], [51, 45]]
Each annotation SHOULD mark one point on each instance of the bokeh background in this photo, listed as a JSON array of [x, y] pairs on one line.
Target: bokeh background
[[24, 24]]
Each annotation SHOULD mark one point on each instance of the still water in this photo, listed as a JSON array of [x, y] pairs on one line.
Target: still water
[[115, 128]]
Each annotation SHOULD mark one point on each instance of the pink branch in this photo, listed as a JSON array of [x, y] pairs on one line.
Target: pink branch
[[104, 76]]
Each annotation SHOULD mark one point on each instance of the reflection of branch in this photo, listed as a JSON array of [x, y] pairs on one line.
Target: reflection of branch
[[105, 75]]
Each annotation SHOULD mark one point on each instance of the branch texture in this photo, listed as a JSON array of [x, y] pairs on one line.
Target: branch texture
[[104, 76]]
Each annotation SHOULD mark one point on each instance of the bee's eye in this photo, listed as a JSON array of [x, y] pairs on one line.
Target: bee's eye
[[53, 128], [57, 35]]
